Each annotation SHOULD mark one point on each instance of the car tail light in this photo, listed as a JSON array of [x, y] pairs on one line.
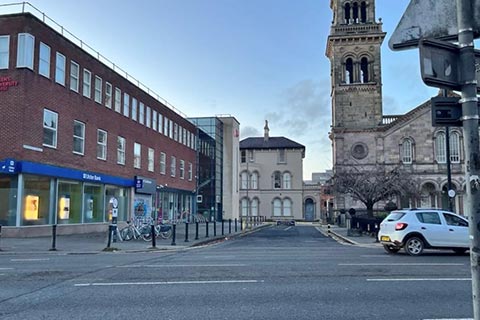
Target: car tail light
[[400, 226]]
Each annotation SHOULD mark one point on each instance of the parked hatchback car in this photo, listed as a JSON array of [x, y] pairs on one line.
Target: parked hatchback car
[[419, 229]]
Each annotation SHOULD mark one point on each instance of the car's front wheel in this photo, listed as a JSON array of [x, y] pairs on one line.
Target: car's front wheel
[[414, 246], [390, 249]]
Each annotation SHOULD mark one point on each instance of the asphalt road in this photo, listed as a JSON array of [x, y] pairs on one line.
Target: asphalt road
[[276, 273]]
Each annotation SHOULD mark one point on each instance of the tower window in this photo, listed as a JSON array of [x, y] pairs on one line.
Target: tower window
[[347, 13], [363, 12], [355, 12], [349, 71], [364, 70]]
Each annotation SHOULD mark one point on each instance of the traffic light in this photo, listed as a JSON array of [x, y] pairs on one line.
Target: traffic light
[[446, 111]]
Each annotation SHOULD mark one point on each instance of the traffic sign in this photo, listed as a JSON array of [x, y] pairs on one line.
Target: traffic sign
[[436, 19]]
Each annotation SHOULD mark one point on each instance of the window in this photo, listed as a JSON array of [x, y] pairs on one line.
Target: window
[[148, 117], [43, 60], [118, 100], [440, 148], [141, 113], [163, 164], [454, 147], [287, 180], [170, 129], [184, 136], [243, 156], [254, 209], [349, 71], [160, 123], [244, 204], [98, 89], [173, 166], [277, 180], [254, 181], [108, 95], [50, 126], [137, 155], [74, 75], [4, 51], [151, 159], [175, 132], [101, 144], [78, 137], [364, 70], [182, 169], [87, 83], [154, 120], [25, 50], [407, 152], [121, 150], [126, 104], [287, 207], [190, 171], [134, 109], [277, 207], [250, 156], [244, 180], [428, 217], [282, 156], [60, 69], [165, 126], [454, 220]]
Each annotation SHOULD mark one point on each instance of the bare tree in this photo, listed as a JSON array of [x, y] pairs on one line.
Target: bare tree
[[370, 185]]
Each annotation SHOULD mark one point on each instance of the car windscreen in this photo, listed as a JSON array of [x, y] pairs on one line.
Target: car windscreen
[[394, 216]]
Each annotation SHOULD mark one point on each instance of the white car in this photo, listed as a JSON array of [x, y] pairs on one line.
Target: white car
[[419, 229]]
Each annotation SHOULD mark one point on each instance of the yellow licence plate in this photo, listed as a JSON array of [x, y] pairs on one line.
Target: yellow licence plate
[[384, 238]]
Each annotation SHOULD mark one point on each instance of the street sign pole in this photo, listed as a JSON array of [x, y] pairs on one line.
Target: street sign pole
[[471, 137]]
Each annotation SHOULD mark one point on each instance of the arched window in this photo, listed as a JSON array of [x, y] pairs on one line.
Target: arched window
[[287, 207], [407, 151], [363, 12], [355, 12], [244, 207], [277, 180], [277, 207], [244, 180], [427, 196], [287, 180], [440, 148], [347, 13], [364, 70], [254, 210], [349, 71], [454, 147], [254, 180]]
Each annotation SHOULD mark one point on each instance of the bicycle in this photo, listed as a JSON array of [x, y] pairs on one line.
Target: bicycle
[[163, 230], [132, 231]]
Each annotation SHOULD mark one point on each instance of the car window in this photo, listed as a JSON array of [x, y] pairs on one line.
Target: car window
[[454, 220], [428, 217], [394, 216]]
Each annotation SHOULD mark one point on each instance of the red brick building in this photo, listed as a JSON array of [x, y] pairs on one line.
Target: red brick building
[[74, 134]]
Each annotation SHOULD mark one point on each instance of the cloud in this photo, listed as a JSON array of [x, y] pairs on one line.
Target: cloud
[[248, 131]]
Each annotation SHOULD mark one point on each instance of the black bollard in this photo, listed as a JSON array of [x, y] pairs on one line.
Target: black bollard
[[235, 224], [0, 237], [196, 230], [241, 224], [223, 224], [54, 238], [206, 229], [214, 228], [174, 234], [109, 236], [186, 231], [229, 226], [154, 237]]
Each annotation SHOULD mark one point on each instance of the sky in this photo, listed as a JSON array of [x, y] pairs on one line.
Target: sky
[[255, 60]]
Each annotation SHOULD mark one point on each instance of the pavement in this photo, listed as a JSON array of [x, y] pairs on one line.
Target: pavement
[[94, 243]]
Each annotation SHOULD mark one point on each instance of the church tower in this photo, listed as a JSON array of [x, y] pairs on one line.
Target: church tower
[[353, 48]]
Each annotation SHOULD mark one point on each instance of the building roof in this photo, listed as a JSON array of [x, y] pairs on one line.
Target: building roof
[[270, 143]]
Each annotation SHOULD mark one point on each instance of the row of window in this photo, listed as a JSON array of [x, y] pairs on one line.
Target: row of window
[[407, 148], [50, 132], [81, 80], [279, 180], [355, 12], [248, 155], [280, 207]]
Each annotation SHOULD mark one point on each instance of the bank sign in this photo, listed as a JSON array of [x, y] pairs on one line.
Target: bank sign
[[145, 185], [8, 166]]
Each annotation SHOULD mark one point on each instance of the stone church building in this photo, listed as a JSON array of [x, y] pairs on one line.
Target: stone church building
[[362, 136]]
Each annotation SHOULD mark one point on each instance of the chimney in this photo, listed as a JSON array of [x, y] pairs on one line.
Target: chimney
[[265, 131]]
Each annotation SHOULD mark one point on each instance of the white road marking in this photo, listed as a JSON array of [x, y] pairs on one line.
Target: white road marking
[[39, 259], [451, 319], [401, 264], [288, 228], [164, 283], [421, 279], [179, 265], [6, 268]]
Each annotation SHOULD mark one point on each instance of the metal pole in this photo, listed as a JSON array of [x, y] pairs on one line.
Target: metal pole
[[206, 229], [214, 228], [54, 238], [196, 230], [186, 231], [449, 171], [0, 237], [154, 236], [470, 132], [174, 234]]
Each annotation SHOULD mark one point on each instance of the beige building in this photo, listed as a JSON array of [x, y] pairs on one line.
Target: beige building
[[363, 137], [271, 183]]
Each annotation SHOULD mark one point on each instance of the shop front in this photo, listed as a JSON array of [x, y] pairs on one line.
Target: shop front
[[34, 194]]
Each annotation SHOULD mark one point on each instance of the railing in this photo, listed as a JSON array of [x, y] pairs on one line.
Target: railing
[[24, 7], [390, 119]]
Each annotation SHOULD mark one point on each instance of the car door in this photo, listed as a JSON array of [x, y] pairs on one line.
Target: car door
[[457, 230], [432, 228]]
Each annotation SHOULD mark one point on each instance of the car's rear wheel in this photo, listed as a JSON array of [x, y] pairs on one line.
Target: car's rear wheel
[[390, 249], [459, 250], [414, 246]]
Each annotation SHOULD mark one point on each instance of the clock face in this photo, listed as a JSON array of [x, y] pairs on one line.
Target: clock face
[[359, 150]]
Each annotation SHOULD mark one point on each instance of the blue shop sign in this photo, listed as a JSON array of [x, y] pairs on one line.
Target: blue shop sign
[[8, 166]]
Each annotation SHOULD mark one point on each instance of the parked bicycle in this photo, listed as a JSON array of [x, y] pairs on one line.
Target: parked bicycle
[[163, 230], [135, 231]]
